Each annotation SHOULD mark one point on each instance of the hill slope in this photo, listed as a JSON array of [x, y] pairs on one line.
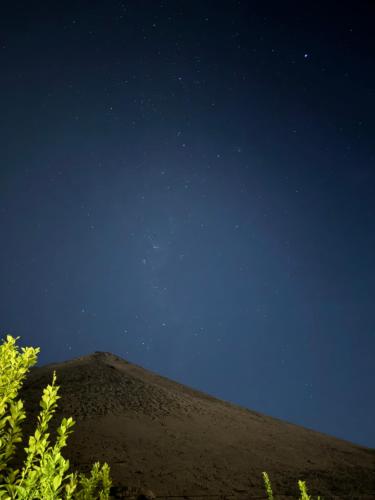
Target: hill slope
[[162, 435]]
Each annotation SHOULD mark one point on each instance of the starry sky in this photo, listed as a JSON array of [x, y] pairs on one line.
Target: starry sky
[[191, 186]]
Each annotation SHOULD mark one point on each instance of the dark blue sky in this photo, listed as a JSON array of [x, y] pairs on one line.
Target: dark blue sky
[[190, 186]]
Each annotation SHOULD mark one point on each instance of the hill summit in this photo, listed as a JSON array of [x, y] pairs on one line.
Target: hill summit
[[159, 434]]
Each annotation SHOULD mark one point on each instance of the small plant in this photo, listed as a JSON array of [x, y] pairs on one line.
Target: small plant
[[268, 486], [43, 474], [301, 484]]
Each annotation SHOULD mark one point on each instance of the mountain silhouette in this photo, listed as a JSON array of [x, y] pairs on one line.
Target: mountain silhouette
[[179, 442]]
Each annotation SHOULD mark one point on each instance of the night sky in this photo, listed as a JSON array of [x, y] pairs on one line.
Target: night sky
[[191, 186]]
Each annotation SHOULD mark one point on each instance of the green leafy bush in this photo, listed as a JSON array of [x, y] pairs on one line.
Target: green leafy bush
[[43, 474]]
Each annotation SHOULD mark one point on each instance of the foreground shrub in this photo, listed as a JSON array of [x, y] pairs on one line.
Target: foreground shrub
[[43, 474]]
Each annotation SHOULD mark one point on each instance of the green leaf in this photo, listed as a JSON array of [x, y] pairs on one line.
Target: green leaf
[[56, 482]]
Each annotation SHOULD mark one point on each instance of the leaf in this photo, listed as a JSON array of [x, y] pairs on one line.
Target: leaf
[[56, 482]]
